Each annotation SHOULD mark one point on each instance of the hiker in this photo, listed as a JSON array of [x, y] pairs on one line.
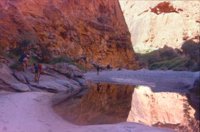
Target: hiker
[[109, 67], [36, 71], [119, 69], [39, 70], [23, 60], [98, 69], [26, 60]]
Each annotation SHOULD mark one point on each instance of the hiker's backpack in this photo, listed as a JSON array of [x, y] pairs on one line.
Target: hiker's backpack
[[40, 67], [21, 59]]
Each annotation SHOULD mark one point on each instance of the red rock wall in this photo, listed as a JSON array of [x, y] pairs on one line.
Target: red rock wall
[[92, 28]]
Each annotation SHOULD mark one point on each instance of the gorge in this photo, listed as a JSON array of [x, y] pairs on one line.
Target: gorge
[[147, 53]]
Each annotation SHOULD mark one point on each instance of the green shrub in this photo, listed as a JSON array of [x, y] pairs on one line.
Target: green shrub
[[61, 59], [149, 58], [34, 59], [66, 59], [22, 46], [192, 49], [177, 63]]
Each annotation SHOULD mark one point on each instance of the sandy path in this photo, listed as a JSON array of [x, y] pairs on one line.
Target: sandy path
[[32, 112]]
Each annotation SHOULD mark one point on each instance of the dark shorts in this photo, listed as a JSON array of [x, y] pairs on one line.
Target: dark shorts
[[21, 61], [36, 71]]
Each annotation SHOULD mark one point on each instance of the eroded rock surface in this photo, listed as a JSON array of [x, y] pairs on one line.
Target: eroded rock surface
[[50, 80], [154, 24], [9, 81], [93, 29]]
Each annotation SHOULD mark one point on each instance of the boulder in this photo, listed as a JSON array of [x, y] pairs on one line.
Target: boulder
[[49, 81], [68, 70], [6, 76]]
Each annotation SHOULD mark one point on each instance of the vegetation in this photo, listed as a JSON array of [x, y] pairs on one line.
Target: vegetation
[[61, 59], [22, 46], [34, 59], [177, 63], [171, 59], [66, 59], [191, 48]]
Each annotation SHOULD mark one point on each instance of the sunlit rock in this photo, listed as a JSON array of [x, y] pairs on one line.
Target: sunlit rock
[[161, 108], [154, 24]]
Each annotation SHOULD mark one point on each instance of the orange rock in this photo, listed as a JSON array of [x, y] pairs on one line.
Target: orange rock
[[96, 30]]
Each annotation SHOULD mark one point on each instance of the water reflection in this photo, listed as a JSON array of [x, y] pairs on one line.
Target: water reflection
[[101, 103]]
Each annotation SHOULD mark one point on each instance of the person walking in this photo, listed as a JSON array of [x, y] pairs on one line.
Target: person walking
[[23, 60], [36, 72], [39, 70]]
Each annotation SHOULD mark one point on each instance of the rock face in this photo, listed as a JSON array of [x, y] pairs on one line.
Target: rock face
[[93, 29], [8, 81], [154, 24], [51, 80], [162, 109]]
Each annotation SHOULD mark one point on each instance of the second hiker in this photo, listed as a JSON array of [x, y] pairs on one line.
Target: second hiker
[[37, 71]]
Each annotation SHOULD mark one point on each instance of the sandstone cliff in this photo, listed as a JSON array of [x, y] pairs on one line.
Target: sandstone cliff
[[154, 24], [87, 28]]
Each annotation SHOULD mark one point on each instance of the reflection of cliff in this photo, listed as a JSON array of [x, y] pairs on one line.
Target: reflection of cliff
[[96, 30], [154, 24], [163, 109], [108, 103], [103, 103]]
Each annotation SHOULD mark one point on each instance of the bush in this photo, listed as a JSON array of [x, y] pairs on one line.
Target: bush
[[149, 58], [23, 45], [167, 53], [192, 49], [177, 63], [34, 59], [61, 59]]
